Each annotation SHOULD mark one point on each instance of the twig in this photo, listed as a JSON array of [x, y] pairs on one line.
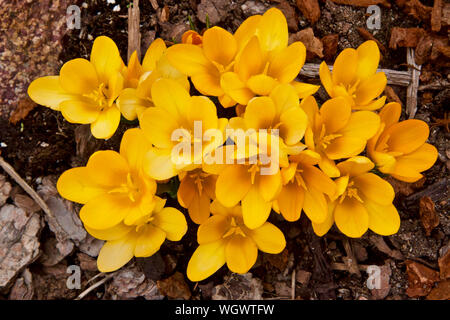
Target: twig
[[96, 276], [399, 78], [293, 285], [350, 260], [95, 285], [411, 92], [343, 267], [134, 35], [25, 186]]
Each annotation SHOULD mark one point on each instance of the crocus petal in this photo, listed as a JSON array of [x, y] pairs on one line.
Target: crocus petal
[[355, 166], [304, 89], [255, 210], [213, 229], [172, 222], [293, 125], [407, 136], [188, 58], [105, 211], [82, 111], [321, 229], [286, 64], [106, 123], [115, 254], [129, 103], [345, 147], [260, 113], [133, 148], [47, 91], [199, 207], [268, 238], [186, 191], [158, 126], [273, 30], [232, 185], [362, 124], [368, 59], [375, 188], [390, 114], [250, 61], [247, 30], [383, 219], [290, 201], [117, 232], [207, 259], [345, 66], [208, 83], [106, 58], [153, 54], [270, 185], [261, 84], [328, 166], [410, 165], [318, 180], [158, 164], [170, 95], [202, 109], [240, 253], [148, 241], [235, 88], [78, 76], [108, 168], [370, 88], [351, 218], [374, 105], [219, 45], [284, 97], [78, 185], [325, 78], [335, 113], [315, 205]]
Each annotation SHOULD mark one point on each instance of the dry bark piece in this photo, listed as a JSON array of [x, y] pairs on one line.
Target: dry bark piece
[[19, 243], [444, 262], [368, 36], [405, 37], [23, 287], [131, 283], [445, 18], [52, 283], [91, 246], [290, 14], [415, 8], [363, 3], [174, 287], [279, 261], [5, 190], [391, 96], [436, 16], [405, 188], [314, 46], [164, 14], [431, 47], [214, 9], [330, 44], [310, 9], [87, 263], [303, 277], [441, 291], [421, 279], [23, 109], [53, 252], [428, 214], [381, 245], [239, 287], [385, 287]]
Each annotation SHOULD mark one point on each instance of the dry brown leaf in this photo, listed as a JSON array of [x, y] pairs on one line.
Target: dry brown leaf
[[428, 215], [436, 16], [174, 287], [363, 3], [421, 279], [405, 37], [330, 45], [164, 14], [23, 109], [310, 9], [314, 46], [441, 291]]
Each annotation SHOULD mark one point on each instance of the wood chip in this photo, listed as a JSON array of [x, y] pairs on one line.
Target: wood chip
[[290, 14], [314, 46], [428, 215], [23, 109], [174, 287], [421, 279], [368, 36], [363, 3], [436, 16], [405, 37], [441, 291], [310, 9], [330, 44], [391, 96]]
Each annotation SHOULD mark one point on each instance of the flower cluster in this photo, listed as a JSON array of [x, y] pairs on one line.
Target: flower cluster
[[280, 151]]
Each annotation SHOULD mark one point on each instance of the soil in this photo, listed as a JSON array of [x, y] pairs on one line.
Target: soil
[[43, 144]]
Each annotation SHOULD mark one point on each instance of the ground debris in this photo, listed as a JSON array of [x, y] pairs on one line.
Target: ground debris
[[19, 243], [23, 287], [428, 214], [441, 291], [391, 96], [421, 279], [51, 283], [363, 3], [384, 283], [215, 10], [381, 245], [310, 9], [444, 262], [405, 37], [174, 287], [290, 14], [5, 189], [314, 46], [330, 44], [131, 283], [415, 8], [239, 287]]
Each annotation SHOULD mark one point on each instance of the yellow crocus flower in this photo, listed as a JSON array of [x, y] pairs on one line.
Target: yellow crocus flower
[[194, 118], [85, 90], [192, 37], [136, 97], [355, 77], [304, 188], [400, 148], [335, 132], [197, 189], [363, 201], [224, 238]]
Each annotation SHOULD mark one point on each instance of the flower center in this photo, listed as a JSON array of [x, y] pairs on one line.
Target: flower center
[[351, 192], [234, 229], [254, 169], [199, 178], [99, 95], [130, 188]]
